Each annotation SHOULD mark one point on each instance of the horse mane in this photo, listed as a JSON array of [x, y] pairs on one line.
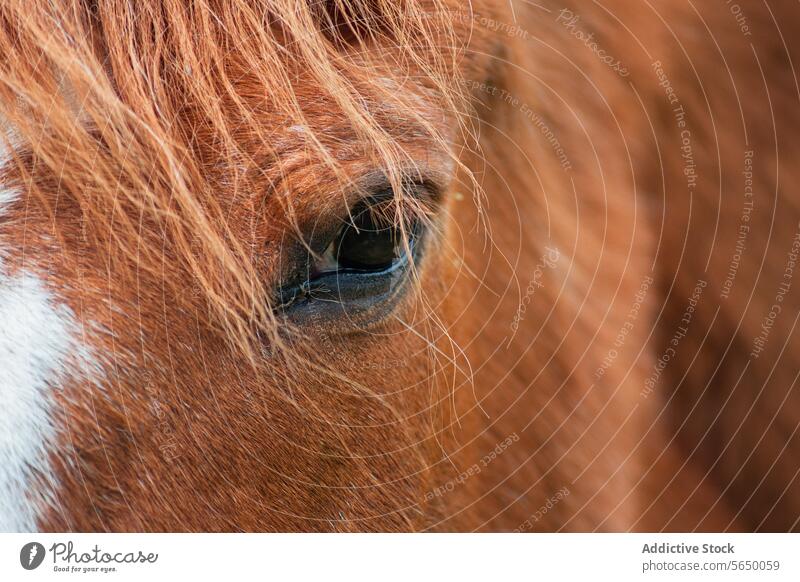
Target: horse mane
[[135, 113]]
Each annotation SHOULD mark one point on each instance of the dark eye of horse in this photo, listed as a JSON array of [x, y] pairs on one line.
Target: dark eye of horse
[[367, 246], [363, 270]]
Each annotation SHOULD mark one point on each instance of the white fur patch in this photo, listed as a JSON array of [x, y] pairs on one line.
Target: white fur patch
[[36, 339], [40, 350], [6, 198], [35, 342]]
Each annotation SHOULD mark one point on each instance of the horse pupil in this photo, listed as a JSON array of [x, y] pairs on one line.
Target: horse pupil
[[366, 246]]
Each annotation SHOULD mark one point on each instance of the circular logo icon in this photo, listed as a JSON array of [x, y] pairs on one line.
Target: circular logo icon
[[31, 555]]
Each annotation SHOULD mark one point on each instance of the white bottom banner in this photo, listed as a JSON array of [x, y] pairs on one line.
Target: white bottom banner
[[373, 557]]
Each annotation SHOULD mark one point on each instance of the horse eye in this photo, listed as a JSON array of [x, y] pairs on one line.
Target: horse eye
[[361, 274], [366, 246]]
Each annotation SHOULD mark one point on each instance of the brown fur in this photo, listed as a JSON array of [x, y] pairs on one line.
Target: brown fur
[[174, 161]]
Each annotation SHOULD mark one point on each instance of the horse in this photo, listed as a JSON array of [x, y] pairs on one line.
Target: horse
[[421, 265]]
